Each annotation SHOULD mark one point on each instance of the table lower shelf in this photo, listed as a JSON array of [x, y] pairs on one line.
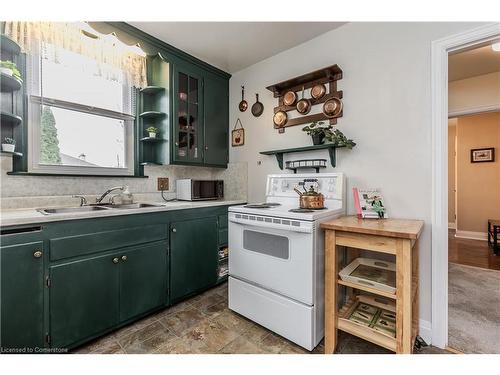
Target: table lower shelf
[[366, 333]]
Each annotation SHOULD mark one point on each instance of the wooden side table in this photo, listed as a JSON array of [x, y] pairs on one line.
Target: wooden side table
[[389, 236]]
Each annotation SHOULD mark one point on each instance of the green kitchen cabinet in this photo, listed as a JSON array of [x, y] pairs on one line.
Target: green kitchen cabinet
[[94, 294], [193, 256], [83, 298], [216, 124], [143, 279], [200, 117], [187, 115], [21, 295]]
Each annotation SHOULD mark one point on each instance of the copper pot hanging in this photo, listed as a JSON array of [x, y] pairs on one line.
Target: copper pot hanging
[[318, 91], [332, 107], [303, 105], [289, 98], [243, 104], [280, 118]]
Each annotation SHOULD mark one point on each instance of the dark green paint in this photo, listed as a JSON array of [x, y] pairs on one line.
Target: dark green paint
[[85, 244], [89, 294], [22, 284], [143, 279], [84, 298], [193, 256]]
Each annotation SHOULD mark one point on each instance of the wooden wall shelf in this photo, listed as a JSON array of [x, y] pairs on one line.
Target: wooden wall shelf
[[152, 90], [327, 76], [279, 153]]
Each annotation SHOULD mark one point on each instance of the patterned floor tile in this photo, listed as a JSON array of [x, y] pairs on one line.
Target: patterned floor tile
[[210, 335], [181, 321], [141, 335]]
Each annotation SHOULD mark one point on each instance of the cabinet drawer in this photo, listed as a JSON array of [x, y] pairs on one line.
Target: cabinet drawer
[[89, 243]]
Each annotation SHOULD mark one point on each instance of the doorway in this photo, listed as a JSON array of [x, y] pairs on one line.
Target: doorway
[[441, 50]]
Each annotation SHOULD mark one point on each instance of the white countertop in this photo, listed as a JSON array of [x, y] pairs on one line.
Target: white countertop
[[32, 216]]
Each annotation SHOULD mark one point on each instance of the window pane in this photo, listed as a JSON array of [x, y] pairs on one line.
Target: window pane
[[79, 139], [78, 79]]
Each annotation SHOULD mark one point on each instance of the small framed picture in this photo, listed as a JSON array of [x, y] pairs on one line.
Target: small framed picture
[[482, 155], [238, 137]]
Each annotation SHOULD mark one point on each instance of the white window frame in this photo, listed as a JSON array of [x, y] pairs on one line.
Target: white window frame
[[34, 111]]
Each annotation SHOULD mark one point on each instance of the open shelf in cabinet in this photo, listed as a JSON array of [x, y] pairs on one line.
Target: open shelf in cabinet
[[364, 332], [366, 289], [8, 118], [9, 83]]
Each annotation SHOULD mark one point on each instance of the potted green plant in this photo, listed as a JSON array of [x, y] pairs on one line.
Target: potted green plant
[[317, 131], [8, 144], [152, 131], [9, 68], [339, 139]]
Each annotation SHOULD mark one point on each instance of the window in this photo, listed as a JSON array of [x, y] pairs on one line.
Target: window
[[82, 115]]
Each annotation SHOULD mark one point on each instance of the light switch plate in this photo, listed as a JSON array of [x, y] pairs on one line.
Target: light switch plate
[[163, 183]]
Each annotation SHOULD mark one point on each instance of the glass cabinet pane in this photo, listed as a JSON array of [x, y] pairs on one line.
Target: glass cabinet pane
[[193, 90], [183, 87]]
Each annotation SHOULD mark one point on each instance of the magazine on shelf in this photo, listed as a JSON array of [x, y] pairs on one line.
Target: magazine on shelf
[[369, 204]]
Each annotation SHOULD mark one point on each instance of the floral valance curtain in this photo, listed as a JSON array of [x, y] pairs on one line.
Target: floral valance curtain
[[80, 38]]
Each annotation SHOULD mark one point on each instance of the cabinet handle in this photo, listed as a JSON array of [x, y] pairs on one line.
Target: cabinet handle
[[174, 230], [37, 254], [206, 147], [177, 144], [124, 258], [116, 260]]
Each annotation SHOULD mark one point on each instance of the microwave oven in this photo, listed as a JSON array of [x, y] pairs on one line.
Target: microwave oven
[[199, 190]]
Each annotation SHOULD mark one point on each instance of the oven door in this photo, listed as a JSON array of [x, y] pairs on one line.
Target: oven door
[[273, 256]]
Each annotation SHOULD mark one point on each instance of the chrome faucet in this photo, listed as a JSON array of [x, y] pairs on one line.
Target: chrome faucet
[[99, 200], [83, 200]]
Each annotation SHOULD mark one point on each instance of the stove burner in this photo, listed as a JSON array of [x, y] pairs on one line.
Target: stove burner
[[263, 205], [300, 210], [305, 210]]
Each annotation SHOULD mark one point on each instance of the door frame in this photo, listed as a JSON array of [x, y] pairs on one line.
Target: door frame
[[439, 97]]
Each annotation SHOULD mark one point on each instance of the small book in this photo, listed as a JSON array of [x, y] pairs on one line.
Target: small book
[[369, 204]]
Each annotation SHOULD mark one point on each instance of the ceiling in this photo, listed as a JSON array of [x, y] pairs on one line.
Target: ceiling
[[474, 62], [232, 46]]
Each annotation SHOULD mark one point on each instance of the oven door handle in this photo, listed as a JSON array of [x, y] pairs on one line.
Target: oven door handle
[[303, 228]]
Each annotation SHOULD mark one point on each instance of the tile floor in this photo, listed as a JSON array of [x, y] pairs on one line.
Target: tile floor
[[205, 325]]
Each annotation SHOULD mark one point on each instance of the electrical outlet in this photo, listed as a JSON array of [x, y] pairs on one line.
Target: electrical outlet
[[162, 183]]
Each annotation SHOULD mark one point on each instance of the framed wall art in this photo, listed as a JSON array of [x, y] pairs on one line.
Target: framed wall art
[[482, 155], [238, 134]]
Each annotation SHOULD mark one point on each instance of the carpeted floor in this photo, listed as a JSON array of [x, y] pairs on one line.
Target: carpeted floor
[[474, 309]]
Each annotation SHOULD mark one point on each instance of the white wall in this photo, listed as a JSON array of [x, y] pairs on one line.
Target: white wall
[[387, 100], [475, 93]]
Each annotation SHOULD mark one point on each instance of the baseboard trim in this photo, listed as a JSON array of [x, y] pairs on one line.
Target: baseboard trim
[[452, 226], [425, 330], [471, 235]]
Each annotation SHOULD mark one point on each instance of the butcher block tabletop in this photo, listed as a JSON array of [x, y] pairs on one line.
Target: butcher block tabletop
[[399, 228]]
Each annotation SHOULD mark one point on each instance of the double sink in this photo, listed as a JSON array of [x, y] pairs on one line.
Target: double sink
[[97, 207]]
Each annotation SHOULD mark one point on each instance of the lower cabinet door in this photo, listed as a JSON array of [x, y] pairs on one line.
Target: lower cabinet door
[[84, 299], [193, 256], [21, 296], [143, 279]]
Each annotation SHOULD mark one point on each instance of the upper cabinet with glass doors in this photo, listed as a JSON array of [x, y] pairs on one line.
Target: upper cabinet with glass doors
[[200, 117], [188, 117]]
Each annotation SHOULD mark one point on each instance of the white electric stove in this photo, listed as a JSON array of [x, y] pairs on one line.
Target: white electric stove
[[276, 262]]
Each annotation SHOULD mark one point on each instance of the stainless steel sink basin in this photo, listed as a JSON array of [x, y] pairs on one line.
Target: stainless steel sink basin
[[93, 207], [134, 205], [68, 210]]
